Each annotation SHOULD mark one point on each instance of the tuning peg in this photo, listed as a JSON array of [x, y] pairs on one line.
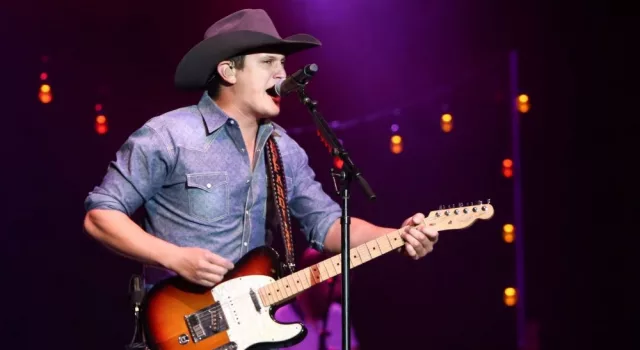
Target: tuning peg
[[461, 204], [489, 201], [479, 202], [440, 207]]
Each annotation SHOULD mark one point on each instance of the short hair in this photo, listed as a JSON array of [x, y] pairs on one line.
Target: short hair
[[215, 82]]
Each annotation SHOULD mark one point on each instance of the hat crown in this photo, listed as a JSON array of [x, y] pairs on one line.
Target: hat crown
[[256, 20]]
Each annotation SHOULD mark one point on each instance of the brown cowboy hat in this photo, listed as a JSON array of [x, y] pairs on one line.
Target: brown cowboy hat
[[242, 32]]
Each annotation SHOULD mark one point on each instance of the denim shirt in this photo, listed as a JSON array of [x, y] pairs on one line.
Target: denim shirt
[[190, 170]]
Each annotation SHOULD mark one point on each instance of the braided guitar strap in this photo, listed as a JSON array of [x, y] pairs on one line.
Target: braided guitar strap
[[278, 187]]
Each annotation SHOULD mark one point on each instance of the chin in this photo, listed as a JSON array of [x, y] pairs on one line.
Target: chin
[[271, 112]]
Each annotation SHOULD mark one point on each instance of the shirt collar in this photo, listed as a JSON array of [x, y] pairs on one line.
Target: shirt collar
[[214, 117]]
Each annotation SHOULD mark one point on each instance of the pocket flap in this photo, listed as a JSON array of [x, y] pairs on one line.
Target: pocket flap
[[206, 181]]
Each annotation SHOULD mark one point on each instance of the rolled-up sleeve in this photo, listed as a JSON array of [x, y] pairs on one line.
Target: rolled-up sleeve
[[138, 172], [313, 208]]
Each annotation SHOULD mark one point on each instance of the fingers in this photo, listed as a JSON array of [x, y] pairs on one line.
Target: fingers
[[209, 267], [218, 260], [411, 251], [419, 240], [415, 238], [417, 218], [207, 279], [414, 220]]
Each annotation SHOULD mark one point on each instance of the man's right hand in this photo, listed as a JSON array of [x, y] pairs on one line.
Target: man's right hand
[[199, 265]]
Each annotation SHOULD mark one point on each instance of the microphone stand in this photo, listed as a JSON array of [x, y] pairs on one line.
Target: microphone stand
[[342, 179]]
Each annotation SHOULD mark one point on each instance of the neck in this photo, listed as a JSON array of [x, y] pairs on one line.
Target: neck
[[247, 122]]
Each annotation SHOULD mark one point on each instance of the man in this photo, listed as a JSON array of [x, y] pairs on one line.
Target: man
[[200, 173], [319, 309]]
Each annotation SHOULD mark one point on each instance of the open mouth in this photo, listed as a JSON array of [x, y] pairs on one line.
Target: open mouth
[[276, 100]]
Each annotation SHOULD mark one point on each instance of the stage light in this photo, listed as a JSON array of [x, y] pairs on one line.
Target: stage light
[[338, 162], [45, 95], [523, 103], [510, 296], [101, 125], [507, 168], [508, 233], [396, 144], [395, 128], [446, 122], [98, 107], [44, 76]]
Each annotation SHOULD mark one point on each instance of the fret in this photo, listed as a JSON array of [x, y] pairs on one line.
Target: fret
[[395, 239], [314, 276], [329, 266], [284, 287], [384, 244], [268, 292], [263, 299], [279, 290], [373, 249], [290, 285], [305, 278], [296, 282], [355, 258], [336, 260], [364, 253], [271, 292], [324, 275]]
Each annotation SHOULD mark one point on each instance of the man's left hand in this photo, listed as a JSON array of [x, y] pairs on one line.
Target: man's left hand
[[419, 239]]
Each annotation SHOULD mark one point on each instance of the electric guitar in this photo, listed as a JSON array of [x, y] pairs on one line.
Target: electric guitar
[[237, 313]]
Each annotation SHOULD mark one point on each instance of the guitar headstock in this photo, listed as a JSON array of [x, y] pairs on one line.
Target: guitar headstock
[[457, 217]]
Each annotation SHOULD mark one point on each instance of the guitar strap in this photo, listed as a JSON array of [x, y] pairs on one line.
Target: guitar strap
[[278, 189]]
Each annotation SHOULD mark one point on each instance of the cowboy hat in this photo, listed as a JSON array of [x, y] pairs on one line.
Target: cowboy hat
[[242, 32]]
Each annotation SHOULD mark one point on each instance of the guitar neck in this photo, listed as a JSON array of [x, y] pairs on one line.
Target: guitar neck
[[297, 282], [445, 219]]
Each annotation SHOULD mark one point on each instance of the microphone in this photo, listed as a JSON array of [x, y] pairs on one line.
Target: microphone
[[294, 82]]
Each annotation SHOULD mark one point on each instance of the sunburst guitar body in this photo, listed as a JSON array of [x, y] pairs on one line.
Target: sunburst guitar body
[[238, 313]]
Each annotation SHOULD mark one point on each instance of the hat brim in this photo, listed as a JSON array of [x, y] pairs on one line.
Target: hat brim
[[199, 63]]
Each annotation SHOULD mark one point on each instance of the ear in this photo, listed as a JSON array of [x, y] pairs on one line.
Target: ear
[[227, 72]]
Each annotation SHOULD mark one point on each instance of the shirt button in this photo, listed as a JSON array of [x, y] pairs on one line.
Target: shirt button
[[246, 212], [248, 180], [245, 244], [231, 122], [208, 185], [241, 149]]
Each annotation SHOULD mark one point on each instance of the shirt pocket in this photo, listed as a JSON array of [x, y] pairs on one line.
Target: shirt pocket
[[208, 195]]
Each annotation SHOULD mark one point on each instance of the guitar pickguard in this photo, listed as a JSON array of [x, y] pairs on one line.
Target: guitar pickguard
[[248, 322]]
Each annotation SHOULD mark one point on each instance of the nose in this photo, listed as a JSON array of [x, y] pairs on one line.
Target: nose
[[280, 73]]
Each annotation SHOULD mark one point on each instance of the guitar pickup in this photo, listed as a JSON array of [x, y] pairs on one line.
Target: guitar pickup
[[206, 322]]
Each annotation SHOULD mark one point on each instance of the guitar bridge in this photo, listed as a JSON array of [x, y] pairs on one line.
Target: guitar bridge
[[206, 322]]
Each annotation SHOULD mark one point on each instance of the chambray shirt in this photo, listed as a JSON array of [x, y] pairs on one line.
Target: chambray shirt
[[190, 170]]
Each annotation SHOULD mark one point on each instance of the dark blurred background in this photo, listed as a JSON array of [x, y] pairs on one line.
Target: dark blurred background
[[383, 63]]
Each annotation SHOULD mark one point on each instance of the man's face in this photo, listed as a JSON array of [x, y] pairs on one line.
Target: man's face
[[261, 71]]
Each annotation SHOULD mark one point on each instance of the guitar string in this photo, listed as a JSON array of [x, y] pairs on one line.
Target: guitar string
[[217, 307], [207, 315]]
